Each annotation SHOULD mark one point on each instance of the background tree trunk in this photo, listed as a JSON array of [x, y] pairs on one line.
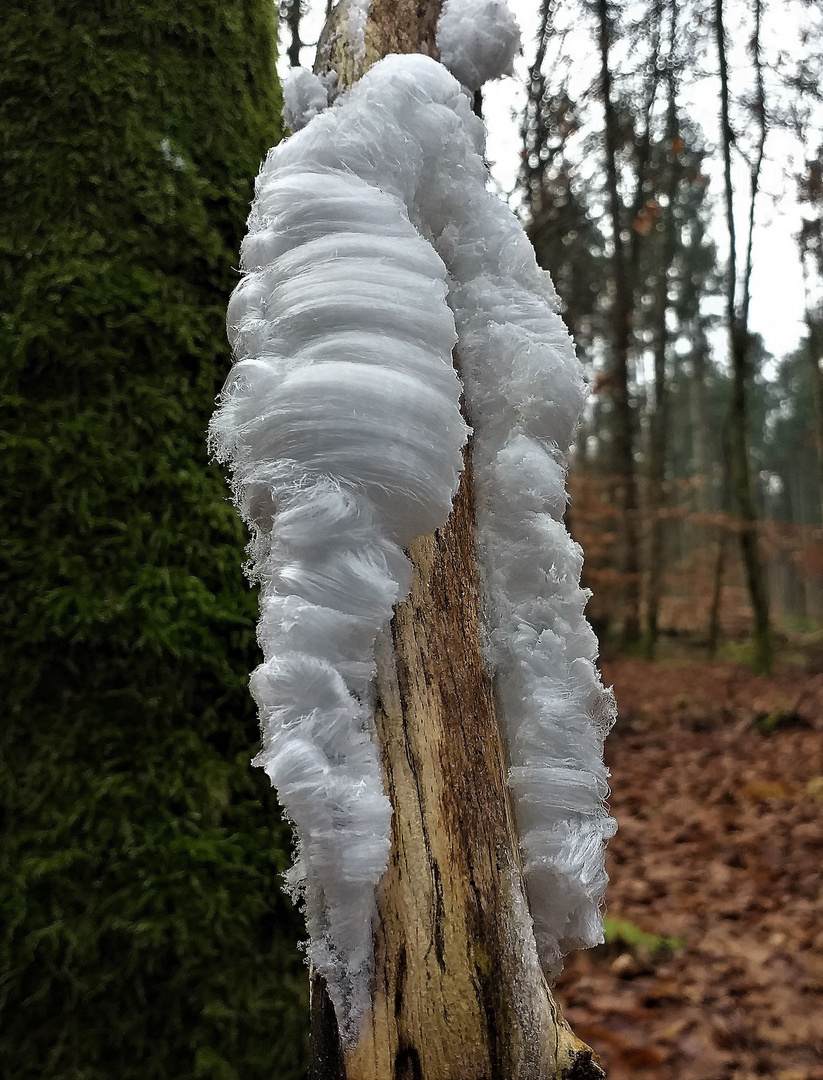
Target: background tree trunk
[[814, 354], [458, 990], [739, 347], [291, 13], [816, 379], [621, 333], [659, 416]]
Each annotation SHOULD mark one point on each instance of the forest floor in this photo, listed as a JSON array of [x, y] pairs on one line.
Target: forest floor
[[717, 778]]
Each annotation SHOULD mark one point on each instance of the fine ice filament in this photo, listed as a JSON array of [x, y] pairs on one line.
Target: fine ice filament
[[373, 248], [477, 40]]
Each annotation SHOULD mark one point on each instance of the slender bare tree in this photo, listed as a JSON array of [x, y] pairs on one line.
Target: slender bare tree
[[738, 296], [659, 414], [625, 260]]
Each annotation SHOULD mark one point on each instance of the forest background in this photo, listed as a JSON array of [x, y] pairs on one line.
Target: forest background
[[144, 930]]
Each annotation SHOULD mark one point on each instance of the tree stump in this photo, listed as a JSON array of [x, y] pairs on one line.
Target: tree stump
[[458, 992]]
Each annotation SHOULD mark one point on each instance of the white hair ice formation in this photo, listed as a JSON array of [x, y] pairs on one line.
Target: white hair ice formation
[[373, 247]]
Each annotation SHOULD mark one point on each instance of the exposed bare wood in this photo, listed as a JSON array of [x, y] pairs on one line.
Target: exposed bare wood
[[458, 990]]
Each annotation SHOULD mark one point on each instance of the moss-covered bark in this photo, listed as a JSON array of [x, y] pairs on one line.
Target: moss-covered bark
[[144, 932]]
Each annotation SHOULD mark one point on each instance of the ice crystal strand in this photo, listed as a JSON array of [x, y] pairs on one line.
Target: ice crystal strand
[[341, 423], [358, 15]]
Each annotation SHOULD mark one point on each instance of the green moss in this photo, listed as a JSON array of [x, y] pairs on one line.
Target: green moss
[[784, 716], [623, 933], [144, 931]]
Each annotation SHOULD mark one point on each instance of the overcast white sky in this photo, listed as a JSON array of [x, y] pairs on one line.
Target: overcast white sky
[[777, 284]]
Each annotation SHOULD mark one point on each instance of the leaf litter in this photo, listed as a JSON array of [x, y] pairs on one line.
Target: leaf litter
[[718, 854]]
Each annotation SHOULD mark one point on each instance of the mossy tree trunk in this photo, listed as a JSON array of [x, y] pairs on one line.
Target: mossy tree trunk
[[145, 934], [458, 991]]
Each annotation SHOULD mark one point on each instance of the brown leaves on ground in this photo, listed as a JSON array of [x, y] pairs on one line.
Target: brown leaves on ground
[[721, 845]]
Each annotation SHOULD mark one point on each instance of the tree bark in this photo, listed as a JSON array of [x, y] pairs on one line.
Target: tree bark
[[393, 26], [458, 993]]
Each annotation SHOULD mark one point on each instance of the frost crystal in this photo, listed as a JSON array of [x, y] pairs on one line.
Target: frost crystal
[[477, 40], [304, 96], [371, 235], [358, 16]]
